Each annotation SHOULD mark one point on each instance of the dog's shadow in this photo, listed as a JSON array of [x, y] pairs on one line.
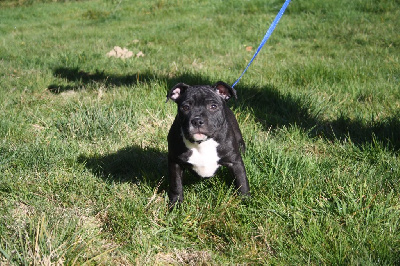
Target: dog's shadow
[[138, 165], [131, 164]]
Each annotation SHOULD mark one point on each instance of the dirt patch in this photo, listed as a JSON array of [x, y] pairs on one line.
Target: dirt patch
[[119, 52], [21, 213], [186, 257]]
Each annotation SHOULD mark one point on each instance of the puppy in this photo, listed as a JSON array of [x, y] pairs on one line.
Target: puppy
[[204, 136]]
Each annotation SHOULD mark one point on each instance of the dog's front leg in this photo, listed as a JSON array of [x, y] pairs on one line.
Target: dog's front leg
[[175, 192], [239, 172]]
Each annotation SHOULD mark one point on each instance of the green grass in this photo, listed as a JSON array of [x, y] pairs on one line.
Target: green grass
[[83, 169]]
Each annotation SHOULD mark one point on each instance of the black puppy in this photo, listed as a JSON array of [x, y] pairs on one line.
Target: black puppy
[[204, 136]]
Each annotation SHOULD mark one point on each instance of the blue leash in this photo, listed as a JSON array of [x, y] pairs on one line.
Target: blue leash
[[266, 37]]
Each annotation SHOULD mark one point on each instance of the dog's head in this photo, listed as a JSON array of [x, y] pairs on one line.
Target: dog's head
[[201, 108]]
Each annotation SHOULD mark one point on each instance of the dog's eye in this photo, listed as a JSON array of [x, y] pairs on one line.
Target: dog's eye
[[213, 106], [185, 107]]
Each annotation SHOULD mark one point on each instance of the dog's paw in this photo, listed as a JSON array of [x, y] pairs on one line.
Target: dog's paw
[[245, 199], [174, 201]]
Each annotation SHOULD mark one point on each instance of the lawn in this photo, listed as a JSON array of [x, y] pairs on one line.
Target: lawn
[[83, 170]]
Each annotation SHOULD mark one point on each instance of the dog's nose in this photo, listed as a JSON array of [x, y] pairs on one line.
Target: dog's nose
[[197, 122]]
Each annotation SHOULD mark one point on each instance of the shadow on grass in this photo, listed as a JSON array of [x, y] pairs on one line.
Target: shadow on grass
[[386, 131], [272, 108], [136, 165], [82, 79], [131, 164]]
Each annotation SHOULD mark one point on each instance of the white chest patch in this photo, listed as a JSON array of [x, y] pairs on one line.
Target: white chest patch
[[204, 158]]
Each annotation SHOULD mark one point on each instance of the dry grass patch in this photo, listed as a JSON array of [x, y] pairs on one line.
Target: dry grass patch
[[184, 257]]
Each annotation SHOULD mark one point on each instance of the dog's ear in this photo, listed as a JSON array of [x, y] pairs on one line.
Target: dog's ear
[[224, 90], [177, 91]]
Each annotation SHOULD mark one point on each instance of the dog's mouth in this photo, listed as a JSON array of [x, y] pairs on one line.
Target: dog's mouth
[[196, 135], [199, 137]]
